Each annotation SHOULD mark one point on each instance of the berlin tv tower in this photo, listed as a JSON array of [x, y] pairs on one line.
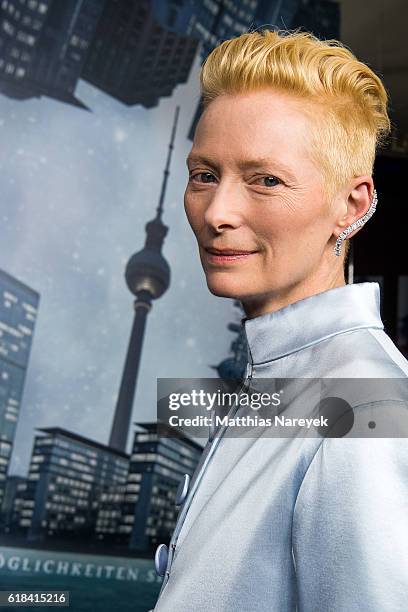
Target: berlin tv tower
[[147, 277]]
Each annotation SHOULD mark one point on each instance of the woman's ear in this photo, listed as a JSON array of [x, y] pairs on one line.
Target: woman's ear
[[359, 197]]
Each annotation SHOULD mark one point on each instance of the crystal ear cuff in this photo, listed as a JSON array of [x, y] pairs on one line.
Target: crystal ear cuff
[[356, 224]]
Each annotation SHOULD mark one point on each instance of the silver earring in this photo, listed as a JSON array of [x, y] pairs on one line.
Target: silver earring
[[356, 224]]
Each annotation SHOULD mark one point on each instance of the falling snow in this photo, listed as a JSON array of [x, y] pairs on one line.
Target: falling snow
[[120, 135]]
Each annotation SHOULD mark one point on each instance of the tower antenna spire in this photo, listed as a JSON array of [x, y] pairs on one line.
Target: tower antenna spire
[[167, 168]]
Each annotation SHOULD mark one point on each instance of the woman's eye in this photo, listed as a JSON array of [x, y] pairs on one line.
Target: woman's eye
[[270, 181], [205, 175]]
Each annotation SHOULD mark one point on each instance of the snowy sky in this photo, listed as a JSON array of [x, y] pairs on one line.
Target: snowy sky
[[76, 191]]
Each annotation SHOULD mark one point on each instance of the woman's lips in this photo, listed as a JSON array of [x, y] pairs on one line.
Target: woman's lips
[[223, 258]]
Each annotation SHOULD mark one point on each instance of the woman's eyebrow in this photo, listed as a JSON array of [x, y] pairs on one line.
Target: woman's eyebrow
[[200, 158], [245, 164]]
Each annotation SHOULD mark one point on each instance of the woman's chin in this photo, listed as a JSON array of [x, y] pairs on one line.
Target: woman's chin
[[225, 288]]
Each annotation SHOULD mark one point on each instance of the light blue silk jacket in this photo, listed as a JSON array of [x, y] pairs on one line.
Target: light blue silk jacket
[[301, 524]]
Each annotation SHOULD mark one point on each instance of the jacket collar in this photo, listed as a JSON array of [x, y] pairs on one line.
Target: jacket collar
[[315, 318]]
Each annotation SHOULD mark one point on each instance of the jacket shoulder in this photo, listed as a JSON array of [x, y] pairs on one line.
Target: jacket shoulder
[[364, 353]]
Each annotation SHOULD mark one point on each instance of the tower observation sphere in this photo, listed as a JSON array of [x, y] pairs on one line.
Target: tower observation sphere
[[148, 270]]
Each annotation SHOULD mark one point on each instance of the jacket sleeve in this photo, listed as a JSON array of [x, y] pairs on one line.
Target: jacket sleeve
[[350, 527]]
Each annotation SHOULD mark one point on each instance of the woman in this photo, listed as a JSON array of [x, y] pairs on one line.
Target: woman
[[280, 175]]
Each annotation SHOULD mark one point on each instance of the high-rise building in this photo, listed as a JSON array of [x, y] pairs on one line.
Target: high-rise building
[[134, 58], [215, 20], [67, 475], [109, 513], [18, 312], [157, 464], [10, 510], [322, 17], [43, 46]]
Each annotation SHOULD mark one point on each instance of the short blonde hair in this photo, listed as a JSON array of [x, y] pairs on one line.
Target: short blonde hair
[[352, 122]]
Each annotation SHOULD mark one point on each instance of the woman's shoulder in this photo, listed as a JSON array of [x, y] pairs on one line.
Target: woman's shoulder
[[364, 353], [391, 353]]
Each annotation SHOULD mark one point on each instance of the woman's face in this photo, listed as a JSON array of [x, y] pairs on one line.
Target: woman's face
[[253, 187]]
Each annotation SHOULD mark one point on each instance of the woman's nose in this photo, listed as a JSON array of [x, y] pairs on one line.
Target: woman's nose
[[225, 208]]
